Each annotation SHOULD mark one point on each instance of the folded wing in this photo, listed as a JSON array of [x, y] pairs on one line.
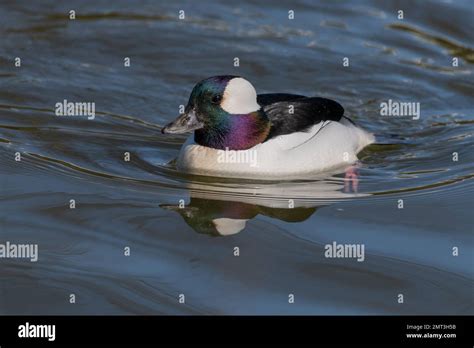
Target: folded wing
[[291, 113]]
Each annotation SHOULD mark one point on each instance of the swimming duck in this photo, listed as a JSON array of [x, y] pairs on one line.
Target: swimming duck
[[238, 133]]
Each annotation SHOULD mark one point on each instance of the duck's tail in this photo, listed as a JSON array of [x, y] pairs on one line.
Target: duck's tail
[[365, 138]]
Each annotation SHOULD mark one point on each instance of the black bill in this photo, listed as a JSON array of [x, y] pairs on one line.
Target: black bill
[[184, 123]]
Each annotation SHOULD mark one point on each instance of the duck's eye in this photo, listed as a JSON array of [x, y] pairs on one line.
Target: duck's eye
[[216, 99]]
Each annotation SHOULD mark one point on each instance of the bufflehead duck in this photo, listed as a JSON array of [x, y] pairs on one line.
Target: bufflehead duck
[[271, 136]]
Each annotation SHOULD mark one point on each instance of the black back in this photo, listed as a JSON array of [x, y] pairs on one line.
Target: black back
[[306, 112]]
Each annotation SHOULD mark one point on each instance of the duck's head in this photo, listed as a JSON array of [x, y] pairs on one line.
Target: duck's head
[[224, 113]]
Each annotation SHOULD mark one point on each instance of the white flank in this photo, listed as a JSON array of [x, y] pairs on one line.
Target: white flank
[[324, 147]]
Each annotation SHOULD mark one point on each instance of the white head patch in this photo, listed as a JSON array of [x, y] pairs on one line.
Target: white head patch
[[239, 97]]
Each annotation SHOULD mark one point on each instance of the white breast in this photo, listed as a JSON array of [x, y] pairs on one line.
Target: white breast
[[325, 146]]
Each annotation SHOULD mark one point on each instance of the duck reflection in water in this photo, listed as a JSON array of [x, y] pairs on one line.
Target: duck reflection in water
[[225, 211], [224, 218]]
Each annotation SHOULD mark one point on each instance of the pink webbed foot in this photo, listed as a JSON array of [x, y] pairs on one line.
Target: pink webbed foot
[[351, 180]]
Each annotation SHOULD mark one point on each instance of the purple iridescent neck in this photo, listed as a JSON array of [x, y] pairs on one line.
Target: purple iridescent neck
[[234, 132]]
